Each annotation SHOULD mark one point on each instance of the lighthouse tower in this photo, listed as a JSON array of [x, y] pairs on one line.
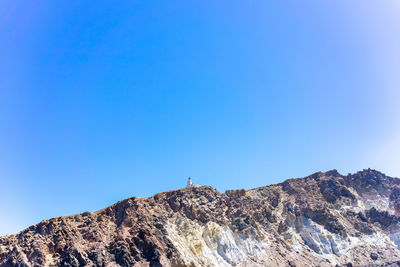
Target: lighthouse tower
[[189, 183]]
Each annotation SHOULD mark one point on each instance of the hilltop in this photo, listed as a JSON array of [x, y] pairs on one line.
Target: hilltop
[[324, 219]]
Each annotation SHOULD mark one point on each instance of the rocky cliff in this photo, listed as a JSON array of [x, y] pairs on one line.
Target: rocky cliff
[[325, 219]]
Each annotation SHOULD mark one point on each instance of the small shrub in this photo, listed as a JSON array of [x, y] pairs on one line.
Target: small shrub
[[235, 193]]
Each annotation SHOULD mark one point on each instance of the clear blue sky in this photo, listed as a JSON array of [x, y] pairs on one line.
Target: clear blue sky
[[100, 101]]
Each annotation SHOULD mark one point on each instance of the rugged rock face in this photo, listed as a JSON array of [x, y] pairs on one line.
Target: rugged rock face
[[325, 219]]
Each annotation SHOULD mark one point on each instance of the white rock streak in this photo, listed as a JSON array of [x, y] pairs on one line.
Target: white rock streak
[[213, 245]]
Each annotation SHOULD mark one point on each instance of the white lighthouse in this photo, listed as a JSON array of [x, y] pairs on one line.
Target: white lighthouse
[[190, 183]]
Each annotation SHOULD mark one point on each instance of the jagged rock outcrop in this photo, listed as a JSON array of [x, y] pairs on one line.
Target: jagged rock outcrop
[[325, 219]]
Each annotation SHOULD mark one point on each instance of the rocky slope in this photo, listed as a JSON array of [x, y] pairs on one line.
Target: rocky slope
[[325, 219]]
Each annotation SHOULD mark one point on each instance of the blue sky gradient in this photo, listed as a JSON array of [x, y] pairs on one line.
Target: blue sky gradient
[[103, 101]]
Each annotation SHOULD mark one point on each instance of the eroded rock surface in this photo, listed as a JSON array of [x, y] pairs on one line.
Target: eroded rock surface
[[325, 219]]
